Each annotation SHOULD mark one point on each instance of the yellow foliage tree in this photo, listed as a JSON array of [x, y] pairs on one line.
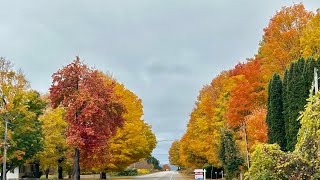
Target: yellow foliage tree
[[310, 39], [174, 150], [281, 39], [54, 139], [131, 142], [201, 143]]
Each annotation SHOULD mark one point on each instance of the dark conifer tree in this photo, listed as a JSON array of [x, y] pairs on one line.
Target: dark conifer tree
[[230, 155], [295, 93], [275, 120]]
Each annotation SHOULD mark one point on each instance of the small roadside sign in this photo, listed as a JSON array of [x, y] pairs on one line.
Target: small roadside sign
[[199, 174]]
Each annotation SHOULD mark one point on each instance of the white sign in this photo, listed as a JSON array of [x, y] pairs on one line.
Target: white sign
[[198, 174]]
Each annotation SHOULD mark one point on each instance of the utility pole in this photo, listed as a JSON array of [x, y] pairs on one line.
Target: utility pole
[[247, 147], [5, 149], [315, 80]]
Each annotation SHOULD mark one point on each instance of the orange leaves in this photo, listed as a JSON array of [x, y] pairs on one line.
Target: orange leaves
[[237, 98], [131, 142], [257, 127], [233, 97], [18, 154], [281, 40], [249, 92]]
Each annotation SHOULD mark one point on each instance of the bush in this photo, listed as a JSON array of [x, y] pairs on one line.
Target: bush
[[143, 171], [128, 172]]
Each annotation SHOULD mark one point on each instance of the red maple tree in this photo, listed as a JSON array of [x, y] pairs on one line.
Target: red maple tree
[[92, 110]]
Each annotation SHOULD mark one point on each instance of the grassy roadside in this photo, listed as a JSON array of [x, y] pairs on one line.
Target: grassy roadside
[[187, 176]]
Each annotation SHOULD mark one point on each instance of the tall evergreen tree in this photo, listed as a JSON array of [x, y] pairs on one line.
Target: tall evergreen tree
[[296, 85], [308, 73], [275, 120], [230, 155], [286, 97]]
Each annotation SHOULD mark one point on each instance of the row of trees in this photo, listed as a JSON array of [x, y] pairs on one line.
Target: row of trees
[[286, 100], [88, 120], [240, 109]]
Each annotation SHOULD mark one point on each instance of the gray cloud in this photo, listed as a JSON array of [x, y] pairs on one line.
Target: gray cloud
[[164, 51]]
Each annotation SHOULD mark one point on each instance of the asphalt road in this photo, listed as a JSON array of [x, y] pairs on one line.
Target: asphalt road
[[165, 175]]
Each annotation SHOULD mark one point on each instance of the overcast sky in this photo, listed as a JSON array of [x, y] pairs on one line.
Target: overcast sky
[[165, 51]]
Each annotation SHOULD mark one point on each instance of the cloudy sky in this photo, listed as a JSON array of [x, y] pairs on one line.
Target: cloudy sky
[[162, 50]]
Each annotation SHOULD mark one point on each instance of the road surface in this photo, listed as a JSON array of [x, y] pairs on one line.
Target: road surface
[[165, 175]]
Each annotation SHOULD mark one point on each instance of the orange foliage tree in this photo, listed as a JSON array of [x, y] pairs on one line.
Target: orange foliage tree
[[200, 145], [257, 127], [248, 93], [281, 40]]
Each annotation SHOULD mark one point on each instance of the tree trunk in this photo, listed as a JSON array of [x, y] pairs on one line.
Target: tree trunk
[[60, 169], [60, 176], [47, 173], [76, 167], [103, 175], [37, 167]]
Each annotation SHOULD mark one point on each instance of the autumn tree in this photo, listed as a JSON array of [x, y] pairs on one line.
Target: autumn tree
[[55, 147], [247, 95], [275, 119], [309, 134], [21, 106], [92, 111], [135, 139], [248, 92], [174, 150], [166, 167], [200, 144], [281, 40], [257, 127], [309, 40]]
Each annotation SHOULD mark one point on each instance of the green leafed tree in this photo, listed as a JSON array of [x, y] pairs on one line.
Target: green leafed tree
[[155, 162], [229, 155], [22, 107], [308, 145], [269, 162], [275, 120]]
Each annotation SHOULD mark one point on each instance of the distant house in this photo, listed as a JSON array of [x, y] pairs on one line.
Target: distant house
[[21, 172]]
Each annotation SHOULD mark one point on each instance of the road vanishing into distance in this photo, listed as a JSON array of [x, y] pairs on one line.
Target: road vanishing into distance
[[165, 175]]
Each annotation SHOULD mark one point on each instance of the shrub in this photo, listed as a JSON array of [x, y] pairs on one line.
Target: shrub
[[143, 171], [128, 172]]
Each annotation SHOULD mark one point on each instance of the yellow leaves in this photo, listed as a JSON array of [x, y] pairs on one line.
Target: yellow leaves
[[134, 140], [54, 127], [310, 38]]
